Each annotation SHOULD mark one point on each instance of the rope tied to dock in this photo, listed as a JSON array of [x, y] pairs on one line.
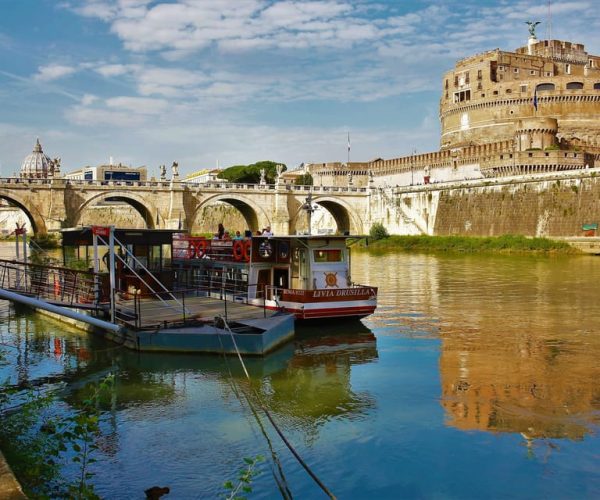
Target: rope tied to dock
[[273, 423]]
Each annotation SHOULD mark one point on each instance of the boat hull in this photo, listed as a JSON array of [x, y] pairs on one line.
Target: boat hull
[[356, 302]]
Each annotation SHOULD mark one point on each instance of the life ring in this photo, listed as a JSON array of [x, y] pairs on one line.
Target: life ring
[[247, 250], [238, 249], [201, 249]]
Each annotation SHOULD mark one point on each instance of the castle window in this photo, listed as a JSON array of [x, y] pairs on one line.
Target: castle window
[[464, 95], [479, 74], [516, 70], [500, 68], [574, 86], [548, 73], [495, 92], [591, 63], [532, 72], [446, 83], [508, 91], [568, 69], [522, 88], [479, 87], [456, 80], [544, 86], [597, 86]]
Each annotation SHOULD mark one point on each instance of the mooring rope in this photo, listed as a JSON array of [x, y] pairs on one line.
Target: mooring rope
[[279, 476], [274, 424]]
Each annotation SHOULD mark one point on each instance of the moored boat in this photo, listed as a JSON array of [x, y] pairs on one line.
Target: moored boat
[[307, 275]]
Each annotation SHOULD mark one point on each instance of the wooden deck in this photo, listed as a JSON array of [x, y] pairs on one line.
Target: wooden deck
[[154, 312]]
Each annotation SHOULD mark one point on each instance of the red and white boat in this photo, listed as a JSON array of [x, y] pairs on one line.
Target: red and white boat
[[308, 276]]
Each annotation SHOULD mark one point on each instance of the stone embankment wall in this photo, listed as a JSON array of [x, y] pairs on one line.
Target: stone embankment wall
[[550, 205]]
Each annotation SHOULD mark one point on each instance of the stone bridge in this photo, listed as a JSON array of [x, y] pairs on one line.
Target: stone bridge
[[52, 204]]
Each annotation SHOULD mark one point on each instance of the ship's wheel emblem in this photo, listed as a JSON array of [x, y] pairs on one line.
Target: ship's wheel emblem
[[331, 279]]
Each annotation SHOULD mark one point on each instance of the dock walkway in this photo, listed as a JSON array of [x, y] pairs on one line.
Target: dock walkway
[[153, 313]]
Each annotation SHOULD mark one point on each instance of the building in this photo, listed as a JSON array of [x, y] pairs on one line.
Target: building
[[502, 113], [38, 165], [203, 176], [109, 172]]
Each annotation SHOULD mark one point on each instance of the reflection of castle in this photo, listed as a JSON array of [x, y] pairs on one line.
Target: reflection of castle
[[533, 110]]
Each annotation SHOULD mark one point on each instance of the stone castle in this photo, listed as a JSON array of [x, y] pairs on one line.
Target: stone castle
[[534, 110]]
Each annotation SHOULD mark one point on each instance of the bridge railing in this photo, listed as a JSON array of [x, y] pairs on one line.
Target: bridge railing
[[190, 185]]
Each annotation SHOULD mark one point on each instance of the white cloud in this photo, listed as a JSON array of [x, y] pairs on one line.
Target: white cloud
[[88, 99], [113, 69], [53, 72], [140, 105]]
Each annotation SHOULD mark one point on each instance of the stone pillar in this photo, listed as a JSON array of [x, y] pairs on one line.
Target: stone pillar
[[281, 215]]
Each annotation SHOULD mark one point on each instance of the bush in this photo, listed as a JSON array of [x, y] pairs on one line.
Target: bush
[[378, 231]]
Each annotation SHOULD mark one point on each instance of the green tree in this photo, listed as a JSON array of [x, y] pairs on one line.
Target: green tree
[[251, 173], [304, 180]]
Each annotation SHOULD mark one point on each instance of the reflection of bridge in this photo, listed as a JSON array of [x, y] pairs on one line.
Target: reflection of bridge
[[51, 204]]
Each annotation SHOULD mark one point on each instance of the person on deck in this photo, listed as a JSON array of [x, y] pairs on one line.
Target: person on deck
[[220, 231], [267, 231]]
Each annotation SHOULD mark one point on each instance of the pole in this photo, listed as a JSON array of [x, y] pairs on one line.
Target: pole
[[96, 269], [111, 263]]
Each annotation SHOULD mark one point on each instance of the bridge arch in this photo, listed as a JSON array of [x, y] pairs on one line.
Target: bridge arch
[[345, 217], [139, 203], [253, 214], [38, 225]]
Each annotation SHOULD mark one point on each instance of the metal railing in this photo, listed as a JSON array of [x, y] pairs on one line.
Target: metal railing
[[50, 283]]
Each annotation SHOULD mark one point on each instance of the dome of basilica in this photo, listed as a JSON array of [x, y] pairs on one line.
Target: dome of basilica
[[37, 164]]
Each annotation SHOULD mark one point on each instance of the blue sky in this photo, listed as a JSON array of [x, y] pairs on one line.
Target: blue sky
[[236, 81]]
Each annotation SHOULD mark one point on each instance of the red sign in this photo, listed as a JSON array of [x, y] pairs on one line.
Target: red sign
[[101, 230]]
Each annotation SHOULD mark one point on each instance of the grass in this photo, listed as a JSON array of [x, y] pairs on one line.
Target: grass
[[469, 244]]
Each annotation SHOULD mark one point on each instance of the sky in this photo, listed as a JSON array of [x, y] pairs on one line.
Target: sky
[[212, 83]]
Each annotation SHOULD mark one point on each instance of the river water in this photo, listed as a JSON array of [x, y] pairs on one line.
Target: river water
[[477, 377]]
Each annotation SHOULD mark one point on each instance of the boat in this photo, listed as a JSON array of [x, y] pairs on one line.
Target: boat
[[306, 275]]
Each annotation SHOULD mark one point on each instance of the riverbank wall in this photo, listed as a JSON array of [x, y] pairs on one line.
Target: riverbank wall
[[543, 205]]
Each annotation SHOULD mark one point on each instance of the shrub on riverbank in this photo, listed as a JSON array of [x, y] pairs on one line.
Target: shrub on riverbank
[[468, 244]]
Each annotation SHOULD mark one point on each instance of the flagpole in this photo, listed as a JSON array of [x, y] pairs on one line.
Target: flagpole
[[348, 147]]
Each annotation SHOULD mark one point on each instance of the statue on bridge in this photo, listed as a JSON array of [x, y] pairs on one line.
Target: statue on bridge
[[262, 176], [163, 173], [175, 170], [55, 167]]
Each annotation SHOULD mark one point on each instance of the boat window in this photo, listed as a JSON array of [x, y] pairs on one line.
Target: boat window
[[328, 255]]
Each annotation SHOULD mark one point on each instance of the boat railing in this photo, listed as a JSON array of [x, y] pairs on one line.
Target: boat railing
[[182, 307], [198, 247], [58, 285]]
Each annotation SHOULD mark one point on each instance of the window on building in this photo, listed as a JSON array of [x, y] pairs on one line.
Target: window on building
[[522, 88], [532, 72], [591, 63], [479, 74], [495, 92], [597, 86], [544, 86], [516, 70], [479, 87], [508, 91], [568, 69], [464, 95], [500, 68], [548, 73], [456, 80], [574, 86]]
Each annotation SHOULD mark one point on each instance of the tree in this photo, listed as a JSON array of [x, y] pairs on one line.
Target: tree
[[251, 173], [304, 180]]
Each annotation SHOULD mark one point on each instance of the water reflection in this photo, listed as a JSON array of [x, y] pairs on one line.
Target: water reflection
[[520, 337]]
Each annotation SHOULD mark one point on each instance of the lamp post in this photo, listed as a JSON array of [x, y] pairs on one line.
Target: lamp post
[[308, 206]]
